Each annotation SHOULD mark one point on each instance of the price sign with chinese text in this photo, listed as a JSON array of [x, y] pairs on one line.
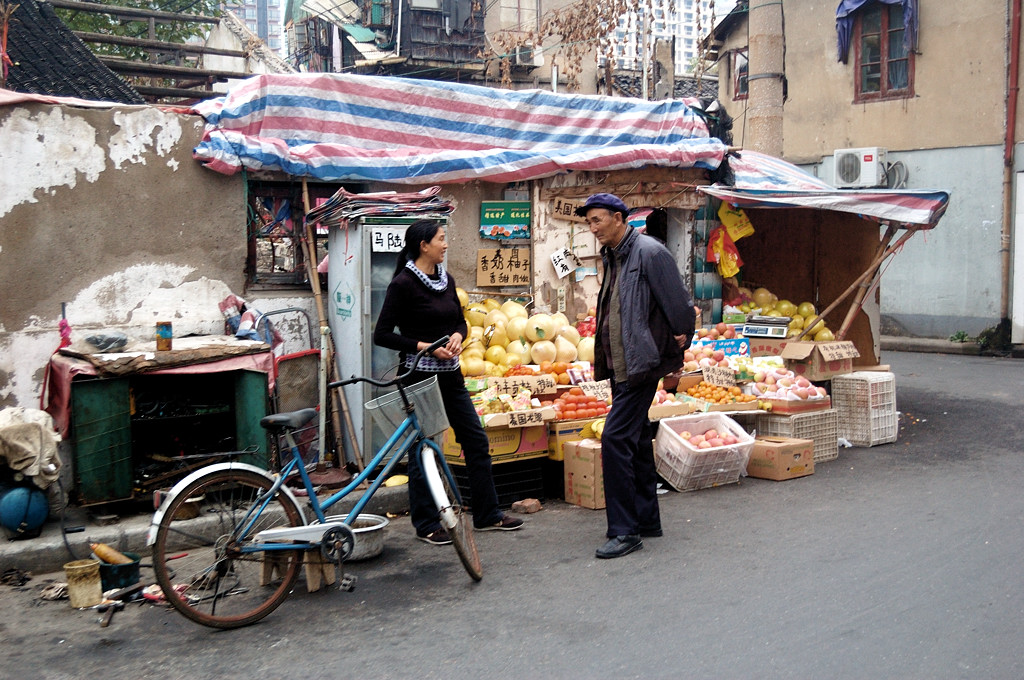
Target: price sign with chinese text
[[503, 266]]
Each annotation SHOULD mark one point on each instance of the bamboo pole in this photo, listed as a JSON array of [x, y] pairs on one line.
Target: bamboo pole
[[872, 268], [865, 285], [337, 395]]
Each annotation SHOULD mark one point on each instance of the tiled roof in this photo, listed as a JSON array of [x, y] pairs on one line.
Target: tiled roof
[[685, 86], [49, 59]]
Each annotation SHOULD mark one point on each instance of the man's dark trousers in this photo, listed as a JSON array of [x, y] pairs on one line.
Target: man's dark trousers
[[630, 480]]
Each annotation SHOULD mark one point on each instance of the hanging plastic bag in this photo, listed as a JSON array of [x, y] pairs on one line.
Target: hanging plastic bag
[[722, 250], [735, 221]]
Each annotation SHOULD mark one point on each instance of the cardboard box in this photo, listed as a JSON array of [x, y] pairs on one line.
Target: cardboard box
[[789, 406], [781, 458], [812, 360], [516, 443], [562, 431], [584, 477], [669, 409], [537, 384], [514, 419]]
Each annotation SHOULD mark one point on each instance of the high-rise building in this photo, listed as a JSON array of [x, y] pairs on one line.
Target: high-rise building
[[691, 21], [262, 17]]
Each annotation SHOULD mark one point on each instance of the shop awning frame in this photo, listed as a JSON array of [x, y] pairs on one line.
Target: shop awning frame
[[761, 181]]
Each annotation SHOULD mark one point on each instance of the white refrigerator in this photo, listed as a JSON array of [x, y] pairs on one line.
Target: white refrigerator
[[361, 264]]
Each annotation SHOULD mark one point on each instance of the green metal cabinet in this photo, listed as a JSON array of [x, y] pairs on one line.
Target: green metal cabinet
[[114, 431]]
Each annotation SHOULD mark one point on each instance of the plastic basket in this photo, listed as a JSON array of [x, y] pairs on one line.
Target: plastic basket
[[866, 403], [388, 411], [821, 426], [689, 469]]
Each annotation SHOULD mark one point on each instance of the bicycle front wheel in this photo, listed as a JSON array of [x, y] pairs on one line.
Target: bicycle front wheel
[[452, 515], [198, 556]]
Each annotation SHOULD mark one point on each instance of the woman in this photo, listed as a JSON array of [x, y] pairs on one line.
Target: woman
[[421, 302]]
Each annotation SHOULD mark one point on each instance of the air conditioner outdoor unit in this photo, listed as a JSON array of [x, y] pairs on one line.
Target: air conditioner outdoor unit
[[523, 56], [856, 168]]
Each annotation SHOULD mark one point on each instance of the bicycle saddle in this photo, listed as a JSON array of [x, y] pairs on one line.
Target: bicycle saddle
[[292, 420]]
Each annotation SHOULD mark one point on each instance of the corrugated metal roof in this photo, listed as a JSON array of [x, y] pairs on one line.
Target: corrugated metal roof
[[336, 11]]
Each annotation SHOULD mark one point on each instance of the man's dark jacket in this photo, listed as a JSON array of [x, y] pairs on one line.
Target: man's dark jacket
[[654, 307]]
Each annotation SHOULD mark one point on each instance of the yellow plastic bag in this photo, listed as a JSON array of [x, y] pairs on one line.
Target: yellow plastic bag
[[735, 221]]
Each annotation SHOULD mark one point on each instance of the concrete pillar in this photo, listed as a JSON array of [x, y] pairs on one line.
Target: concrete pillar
[[766, 72]]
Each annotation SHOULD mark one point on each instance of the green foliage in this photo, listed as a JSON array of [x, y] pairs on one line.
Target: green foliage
[[996, 340], [168, 31], [960, 336]]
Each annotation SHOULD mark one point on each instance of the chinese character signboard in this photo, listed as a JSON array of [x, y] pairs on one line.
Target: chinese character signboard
[[503, 266], [565, 208], [564, 262], [505, 219], [387, 239]]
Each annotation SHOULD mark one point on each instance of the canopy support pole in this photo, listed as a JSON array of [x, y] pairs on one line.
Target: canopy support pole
[[884, 251], [332, 367]]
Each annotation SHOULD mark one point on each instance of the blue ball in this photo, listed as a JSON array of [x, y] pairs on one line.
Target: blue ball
[[23, 509]]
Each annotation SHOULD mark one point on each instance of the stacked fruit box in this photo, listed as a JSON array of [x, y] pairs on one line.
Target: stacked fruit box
[[866, 404], [821, 426]]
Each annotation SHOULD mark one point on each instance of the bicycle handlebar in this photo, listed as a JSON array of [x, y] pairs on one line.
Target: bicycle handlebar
[[440, 342]]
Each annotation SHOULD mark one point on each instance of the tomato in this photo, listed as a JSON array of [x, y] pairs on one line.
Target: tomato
[[575, 390]]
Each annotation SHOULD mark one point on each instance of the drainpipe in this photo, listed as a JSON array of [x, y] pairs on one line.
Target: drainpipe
[[398, 40], [1012, 91], [765, 50]]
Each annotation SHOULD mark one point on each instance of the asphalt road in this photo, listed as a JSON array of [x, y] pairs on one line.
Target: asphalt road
[[897, 561]]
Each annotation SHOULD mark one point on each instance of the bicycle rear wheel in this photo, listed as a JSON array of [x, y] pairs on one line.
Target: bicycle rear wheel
[[453, 516], [199, 564]]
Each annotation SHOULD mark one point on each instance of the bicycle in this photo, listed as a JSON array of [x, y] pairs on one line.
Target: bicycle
[[238, 558]]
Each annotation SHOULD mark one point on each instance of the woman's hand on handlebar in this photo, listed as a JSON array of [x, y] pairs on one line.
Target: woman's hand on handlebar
[[451, 347], [454, 346]]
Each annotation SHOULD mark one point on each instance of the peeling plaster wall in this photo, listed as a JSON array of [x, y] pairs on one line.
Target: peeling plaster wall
[[105, 210]]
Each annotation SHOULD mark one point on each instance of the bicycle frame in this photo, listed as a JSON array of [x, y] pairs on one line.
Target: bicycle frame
[[406, 440]]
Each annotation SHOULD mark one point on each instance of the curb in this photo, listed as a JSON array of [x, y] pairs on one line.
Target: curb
[[48, 553], [934, 345]]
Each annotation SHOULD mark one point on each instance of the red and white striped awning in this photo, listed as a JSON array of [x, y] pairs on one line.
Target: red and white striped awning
[[763, 181]]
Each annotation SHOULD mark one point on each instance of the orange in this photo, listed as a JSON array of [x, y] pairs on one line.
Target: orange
[[575, 390]]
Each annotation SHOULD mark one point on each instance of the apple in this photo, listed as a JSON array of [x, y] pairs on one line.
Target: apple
[[718, 355], [704, 445], [716, 441], [721, 327], [711, 433], [729, 334], [702, 332], [686, 434]]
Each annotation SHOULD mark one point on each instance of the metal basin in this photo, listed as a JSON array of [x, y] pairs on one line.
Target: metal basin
[[369, 532]]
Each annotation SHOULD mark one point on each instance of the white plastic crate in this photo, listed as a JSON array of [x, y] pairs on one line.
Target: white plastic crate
[[866, 403], [687, 468], [821, 426]]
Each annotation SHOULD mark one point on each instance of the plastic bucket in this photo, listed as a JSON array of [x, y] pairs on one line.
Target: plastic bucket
[[120, 575], [84, 587]]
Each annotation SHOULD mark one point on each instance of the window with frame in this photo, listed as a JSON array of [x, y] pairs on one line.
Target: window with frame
[[740, 70], [275, 230], [885, 67]]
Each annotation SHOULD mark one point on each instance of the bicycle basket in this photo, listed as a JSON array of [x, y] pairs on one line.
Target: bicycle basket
[[388, 413]]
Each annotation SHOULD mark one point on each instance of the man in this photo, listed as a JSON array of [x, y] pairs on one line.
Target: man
[[645, 320]]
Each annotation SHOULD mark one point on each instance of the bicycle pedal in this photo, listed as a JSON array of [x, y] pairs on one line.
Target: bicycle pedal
[[347, 583]]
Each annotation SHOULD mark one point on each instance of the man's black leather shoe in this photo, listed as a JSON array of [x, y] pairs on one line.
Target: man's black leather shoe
[[619, 546]]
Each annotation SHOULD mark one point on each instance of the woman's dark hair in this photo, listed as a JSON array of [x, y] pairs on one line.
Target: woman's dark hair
[[418, 231]]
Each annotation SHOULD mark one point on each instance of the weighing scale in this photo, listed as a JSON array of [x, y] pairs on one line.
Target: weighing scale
[[766, 327]]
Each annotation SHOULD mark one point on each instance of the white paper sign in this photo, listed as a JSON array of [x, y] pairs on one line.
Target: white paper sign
[[564, 262], [387, 239]]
